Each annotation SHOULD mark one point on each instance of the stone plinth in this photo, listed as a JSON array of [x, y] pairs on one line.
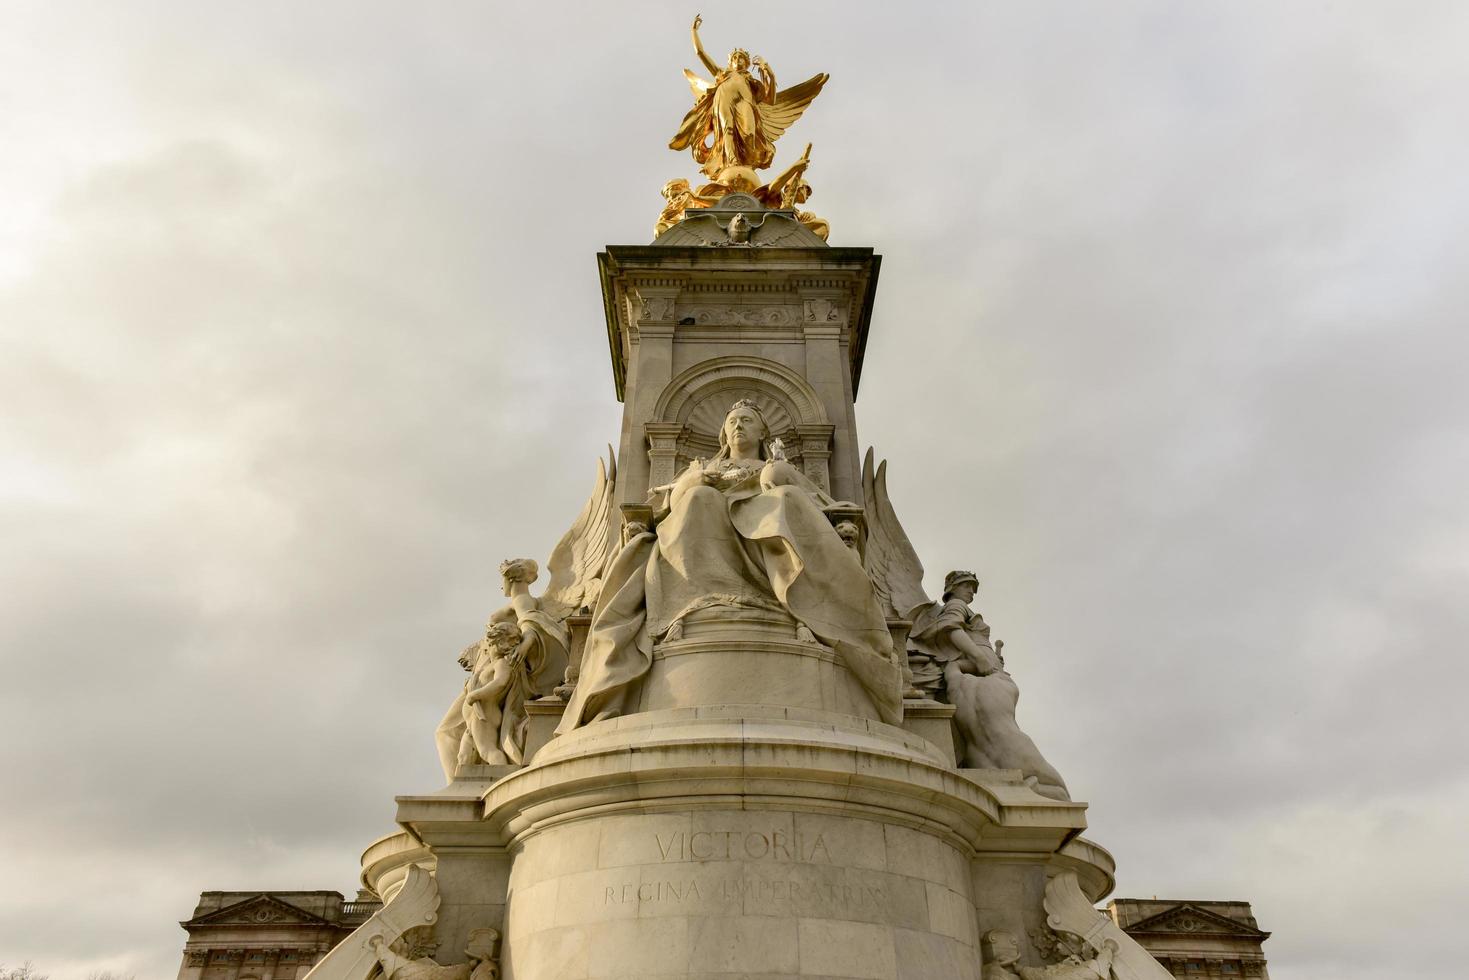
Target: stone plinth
[[749, 657], [746, 841]]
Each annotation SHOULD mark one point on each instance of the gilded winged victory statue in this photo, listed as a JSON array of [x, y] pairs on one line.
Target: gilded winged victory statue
[[738, 116], [731, 131]]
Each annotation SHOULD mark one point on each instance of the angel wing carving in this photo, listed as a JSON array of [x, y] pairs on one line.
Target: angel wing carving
[[777, 116], [579, 559], [891, 562]]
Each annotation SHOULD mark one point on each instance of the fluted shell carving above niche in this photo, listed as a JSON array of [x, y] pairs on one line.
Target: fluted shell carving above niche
[[706, 415]]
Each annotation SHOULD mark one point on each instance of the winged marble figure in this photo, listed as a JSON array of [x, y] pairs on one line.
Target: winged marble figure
[[949, 647], [576, 568]]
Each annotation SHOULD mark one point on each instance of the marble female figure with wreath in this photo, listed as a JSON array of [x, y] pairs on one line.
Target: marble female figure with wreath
[[546, 639], [742, 529]]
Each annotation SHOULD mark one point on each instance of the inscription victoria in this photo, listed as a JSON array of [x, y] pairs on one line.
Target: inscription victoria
[[725, 845]]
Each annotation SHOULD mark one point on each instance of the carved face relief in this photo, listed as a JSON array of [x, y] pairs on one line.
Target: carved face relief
[[739, 229], [964, 592], [514, 571], [744, 432]]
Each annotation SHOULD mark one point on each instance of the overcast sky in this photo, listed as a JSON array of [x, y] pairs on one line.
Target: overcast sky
[[300, 334]]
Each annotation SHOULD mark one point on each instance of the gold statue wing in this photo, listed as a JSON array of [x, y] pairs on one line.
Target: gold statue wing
[[891, 562], [695, 125], [776, 117], [577, 563], [699, 85]]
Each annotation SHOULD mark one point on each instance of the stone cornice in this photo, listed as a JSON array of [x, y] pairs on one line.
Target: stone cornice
[[793, 274]]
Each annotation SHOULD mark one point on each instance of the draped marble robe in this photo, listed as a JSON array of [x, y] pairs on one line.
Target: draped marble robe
[[758, 537]]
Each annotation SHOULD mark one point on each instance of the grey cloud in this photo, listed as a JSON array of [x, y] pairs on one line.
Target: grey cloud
[[306, 337]]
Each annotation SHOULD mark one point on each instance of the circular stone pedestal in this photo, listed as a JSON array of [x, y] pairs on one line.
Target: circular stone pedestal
[[744, 843], [749, 657]]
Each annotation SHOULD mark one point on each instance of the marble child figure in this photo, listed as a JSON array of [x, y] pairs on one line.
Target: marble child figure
[[494, 701], [954, 636], [742, 529]]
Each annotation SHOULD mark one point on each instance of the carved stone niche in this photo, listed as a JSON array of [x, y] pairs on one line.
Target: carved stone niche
[[691, 410]]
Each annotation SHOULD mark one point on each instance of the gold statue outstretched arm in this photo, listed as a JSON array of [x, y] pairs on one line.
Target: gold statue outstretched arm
[[782, 188], [699, 47]]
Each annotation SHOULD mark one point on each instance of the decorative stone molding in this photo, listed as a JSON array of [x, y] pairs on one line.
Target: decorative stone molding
[[814, 443], [739, 220], [750, 316], [824, 310], [657, 308], [663, 438]]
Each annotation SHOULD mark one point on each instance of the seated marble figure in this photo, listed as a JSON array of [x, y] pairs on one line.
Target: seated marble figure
[[741, 530], [956, 638]]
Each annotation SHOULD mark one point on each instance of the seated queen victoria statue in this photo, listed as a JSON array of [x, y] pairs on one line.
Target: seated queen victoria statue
[[744, 534]]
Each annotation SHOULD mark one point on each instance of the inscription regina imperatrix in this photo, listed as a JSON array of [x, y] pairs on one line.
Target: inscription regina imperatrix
[[828, 888]]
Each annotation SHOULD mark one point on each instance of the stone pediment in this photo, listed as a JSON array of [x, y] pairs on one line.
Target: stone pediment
[[262, 910], [1190, 920], [710, 227]]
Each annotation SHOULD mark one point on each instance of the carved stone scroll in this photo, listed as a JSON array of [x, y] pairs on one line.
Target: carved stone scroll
[[1068, 910], [354, 958]]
